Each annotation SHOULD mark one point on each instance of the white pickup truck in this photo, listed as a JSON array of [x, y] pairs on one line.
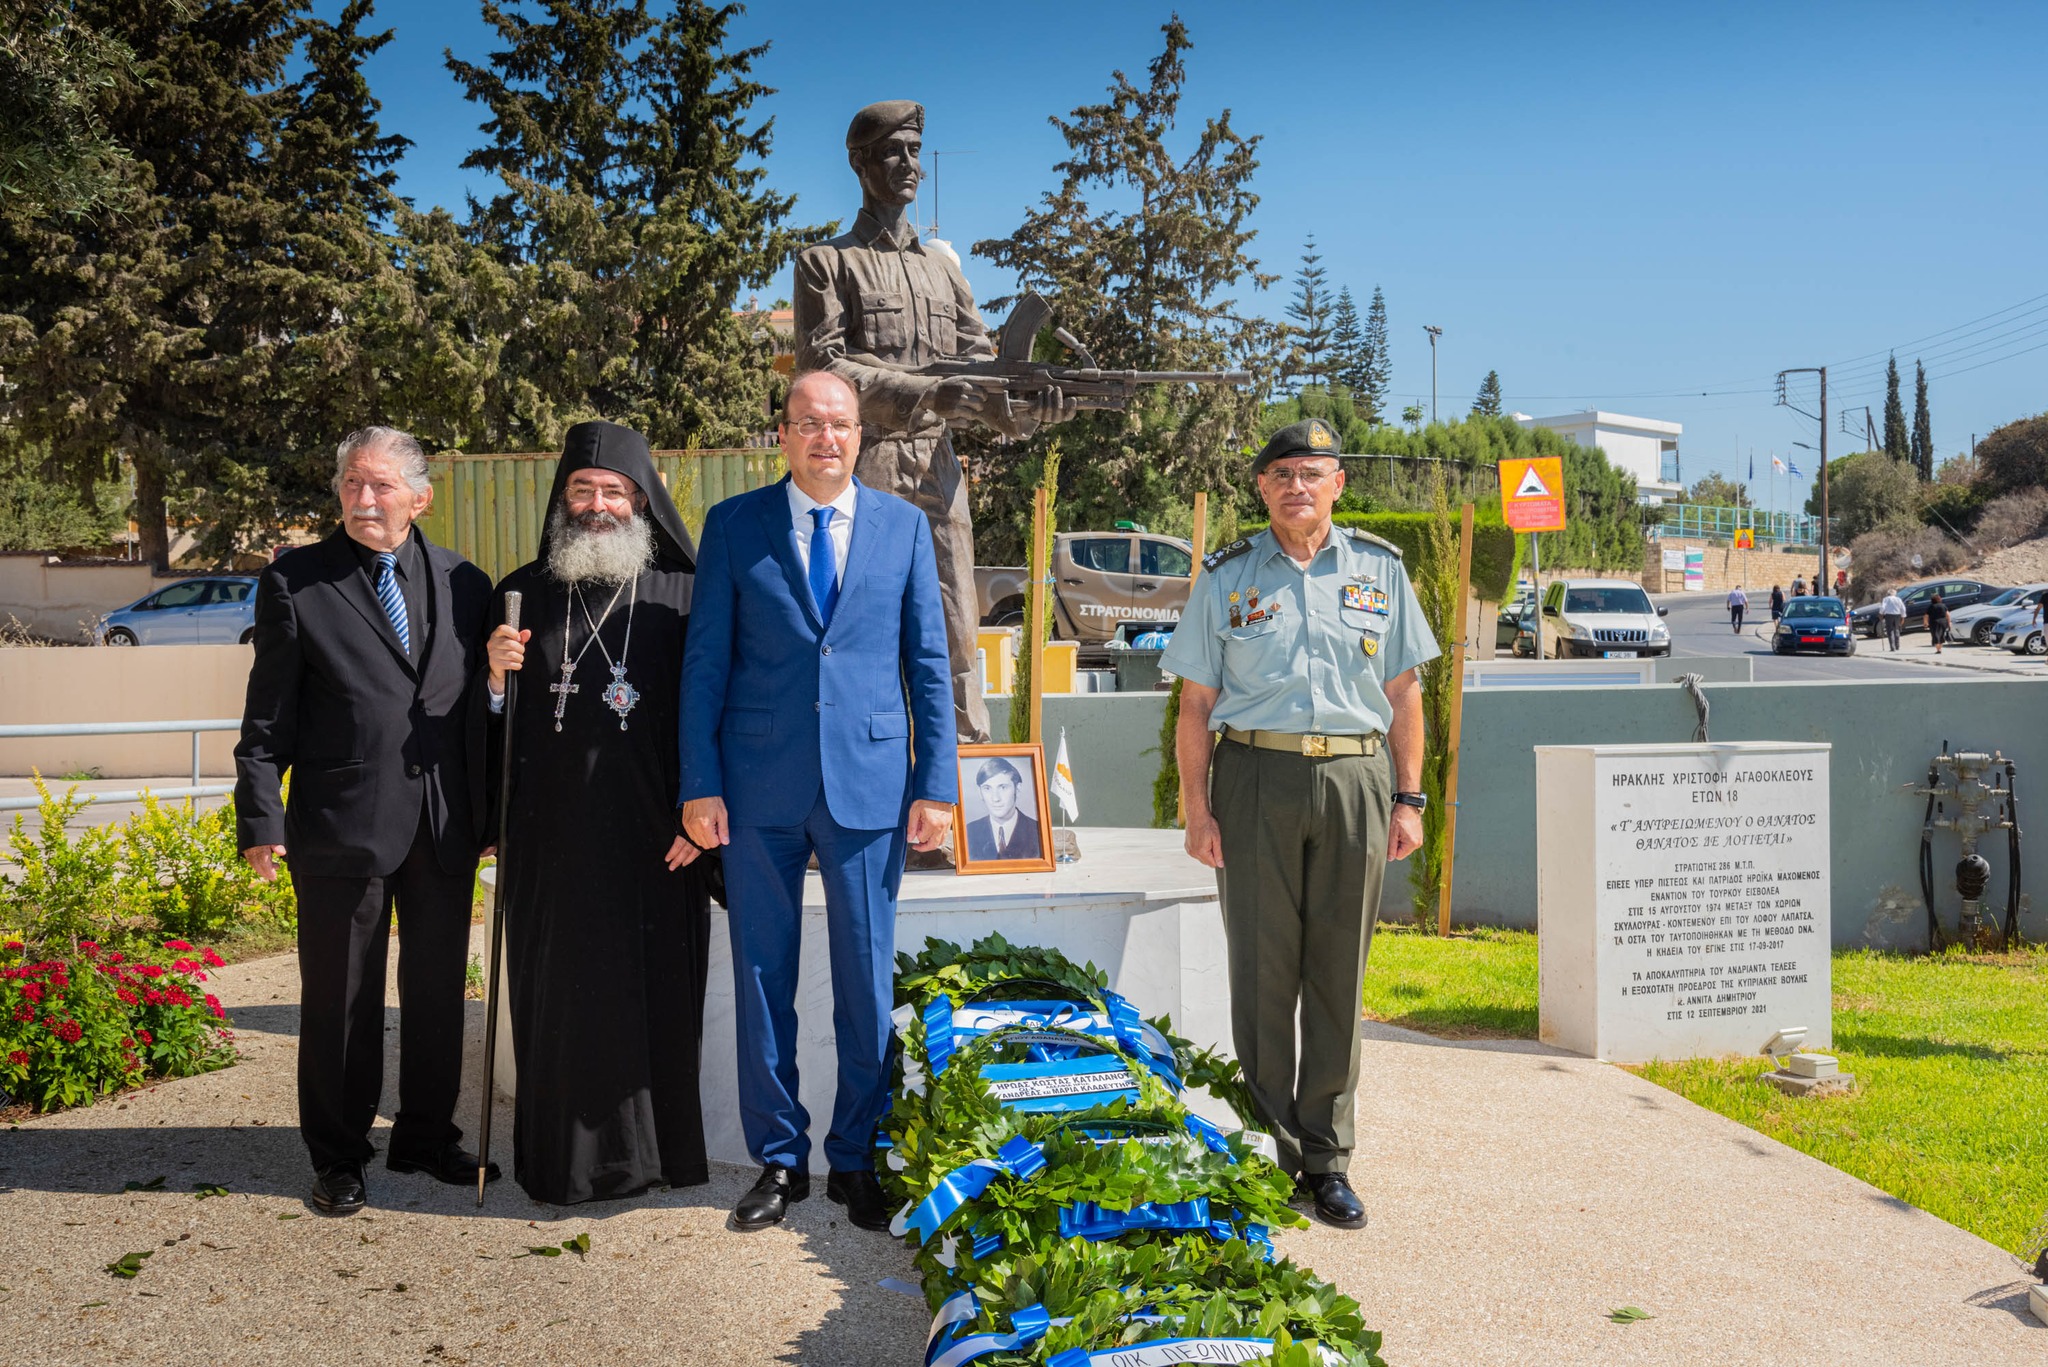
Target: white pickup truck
[[1104, 583]]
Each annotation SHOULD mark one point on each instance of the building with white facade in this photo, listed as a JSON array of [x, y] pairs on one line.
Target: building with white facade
[[1644, 447]]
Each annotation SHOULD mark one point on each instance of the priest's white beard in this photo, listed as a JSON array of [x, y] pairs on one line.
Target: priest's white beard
[[598, 547]]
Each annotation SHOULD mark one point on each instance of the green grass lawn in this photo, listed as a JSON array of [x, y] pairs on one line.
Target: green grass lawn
[[1950, 1055]]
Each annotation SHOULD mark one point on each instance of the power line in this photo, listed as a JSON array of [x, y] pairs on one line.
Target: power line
[[1851, 361]]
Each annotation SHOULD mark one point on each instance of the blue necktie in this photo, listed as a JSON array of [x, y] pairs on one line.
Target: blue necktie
[[391, 600], [824, 569]]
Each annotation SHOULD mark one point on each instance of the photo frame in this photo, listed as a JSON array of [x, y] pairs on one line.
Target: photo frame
[[1003, 821]]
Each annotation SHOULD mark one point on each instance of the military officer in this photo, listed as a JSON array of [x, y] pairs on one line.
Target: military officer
[[1300, 748]]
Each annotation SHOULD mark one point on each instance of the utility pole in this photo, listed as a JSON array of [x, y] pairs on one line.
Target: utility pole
[[1434, 333], [1825, 577]]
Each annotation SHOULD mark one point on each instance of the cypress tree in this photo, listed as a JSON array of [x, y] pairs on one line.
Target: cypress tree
[[1311, 314], [1346, 340], [1897, 444], [1377, 371], [1923, 425], [55, 153], [1487, 405]]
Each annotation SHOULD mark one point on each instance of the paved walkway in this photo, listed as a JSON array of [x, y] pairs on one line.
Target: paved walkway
[[1517, 1195]]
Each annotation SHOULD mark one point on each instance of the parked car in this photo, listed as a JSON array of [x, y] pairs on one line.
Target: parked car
[[220, 611], [1516, 618], [1974, 625], [1603, 619], [1955, 593], [2021, 631], [1817, 624]]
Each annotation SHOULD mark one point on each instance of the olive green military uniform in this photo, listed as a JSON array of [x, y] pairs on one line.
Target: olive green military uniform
[[1301, 658]]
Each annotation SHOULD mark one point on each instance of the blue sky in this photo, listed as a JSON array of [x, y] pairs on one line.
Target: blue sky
[[1643, 207]]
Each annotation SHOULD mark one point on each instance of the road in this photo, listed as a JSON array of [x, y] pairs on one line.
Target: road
[[1699, 626]]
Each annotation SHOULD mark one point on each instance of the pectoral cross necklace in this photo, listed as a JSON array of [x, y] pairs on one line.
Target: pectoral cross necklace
[[619, 695]]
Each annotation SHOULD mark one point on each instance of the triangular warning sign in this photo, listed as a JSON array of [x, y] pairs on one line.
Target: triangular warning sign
[[1531, 485]]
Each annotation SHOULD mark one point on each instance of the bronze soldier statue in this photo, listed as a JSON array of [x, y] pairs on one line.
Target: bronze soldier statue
[[873, 305]]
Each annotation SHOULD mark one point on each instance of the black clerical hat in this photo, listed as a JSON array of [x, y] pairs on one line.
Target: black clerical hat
[[608, 446]]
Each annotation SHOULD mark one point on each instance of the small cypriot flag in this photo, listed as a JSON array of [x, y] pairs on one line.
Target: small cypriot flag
[[1063, 781]]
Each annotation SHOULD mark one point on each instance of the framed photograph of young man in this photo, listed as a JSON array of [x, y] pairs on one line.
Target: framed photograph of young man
[[1003, 823]]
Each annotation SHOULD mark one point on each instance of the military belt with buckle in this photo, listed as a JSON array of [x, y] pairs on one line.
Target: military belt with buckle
[[1312, 744]]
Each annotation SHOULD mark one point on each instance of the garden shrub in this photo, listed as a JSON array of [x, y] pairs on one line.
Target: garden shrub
[[186, 875], [73, 1030]]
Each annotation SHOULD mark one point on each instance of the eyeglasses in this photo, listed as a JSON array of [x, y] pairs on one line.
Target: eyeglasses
[[808, 428], [594, 493], [1307, 479]]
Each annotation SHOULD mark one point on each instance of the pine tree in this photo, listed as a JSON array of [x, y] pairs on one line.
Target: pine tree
[[55, 153], [1377, 372], [1311, 314], [148, 328], [1145, 288], [632, 218], [1346, 340], [1923, 425], [1897, 444], [1487, 405]]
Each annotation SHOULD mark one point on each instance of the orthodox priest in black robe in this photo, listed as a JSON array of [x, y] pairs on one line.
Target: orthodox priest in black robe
[[606, 923]]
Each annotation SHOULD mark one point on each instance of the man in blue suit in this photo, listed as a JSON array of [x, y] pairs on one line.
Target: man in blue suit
[[817, 717]]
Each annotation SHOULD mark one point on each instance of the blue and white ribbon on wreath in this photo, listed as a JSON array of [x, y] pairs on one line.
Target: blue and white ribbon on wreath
[[1165, 1352], [948, 1347], [1062, 1085], [1019, 1158], [947, 1031]]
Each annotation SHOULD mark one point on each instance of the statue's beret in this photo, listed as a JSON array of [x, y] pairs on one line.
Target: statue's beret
[[878, 121]]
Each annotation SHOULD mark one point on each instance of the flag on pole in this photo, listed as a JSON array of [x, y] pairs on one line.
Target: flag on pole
[[1777, 465], [1063, 781], [1752, 467], [1796, 474]]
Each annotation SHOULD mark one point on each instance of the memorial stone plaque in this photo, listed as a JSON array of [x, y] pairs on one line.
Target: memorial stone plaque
[[1682, 898]]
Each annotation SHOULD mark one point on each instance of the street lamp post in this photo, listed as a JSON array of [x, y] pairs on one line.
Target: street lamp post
[[1826, 578], [1434, 333]]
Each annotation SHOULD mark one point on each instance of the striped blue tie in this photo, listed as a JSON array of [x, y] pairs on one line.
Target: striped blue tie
[[392, 601]]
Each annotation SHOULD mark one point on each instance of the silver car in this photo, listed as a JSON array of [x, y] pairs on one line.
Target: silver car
[[212, 611], [2020, 631], [1975, 625]]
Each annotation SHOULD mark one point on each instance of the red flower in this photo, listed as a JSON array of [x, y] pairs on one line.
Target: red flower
[[186, 965], [145, 1037], [176, 944], [213, 960], [152, 997], [68, 1031], [213, 1005], [33, 991], [149, 970], [126, 997], [24, 1013], [116, 957], [178, 996], [20, 1058], [89, 949], [13, 944], [59, 980]]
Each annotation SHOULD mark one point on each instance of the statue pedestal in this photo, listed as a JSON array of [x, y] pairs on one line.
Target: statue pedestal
[[1137, 907]]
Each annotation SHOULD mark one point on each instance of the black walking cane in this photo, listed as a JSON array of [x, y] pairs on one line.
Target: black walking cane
[[496, 947]]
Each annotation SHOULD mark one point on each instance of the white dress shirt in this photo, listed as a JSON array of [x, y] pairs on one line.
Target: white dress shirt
[[841, 530]]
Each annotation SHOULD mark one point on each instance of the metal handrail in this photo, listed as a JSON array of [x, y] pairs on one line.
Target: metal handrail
[[33, 730]]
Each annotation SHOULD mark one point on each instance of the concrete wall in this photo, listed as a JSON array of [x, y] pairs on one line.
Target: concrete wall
[[1726, 567], [57, 601], [1883, 732], [148, 683]]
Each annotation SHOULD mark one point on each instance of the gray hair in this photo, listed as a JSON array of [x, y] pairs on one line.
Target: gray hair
[[412, 460]]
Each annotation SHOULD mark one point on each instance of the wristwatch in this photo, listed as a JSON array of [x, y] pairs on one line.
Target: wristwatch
[[1419, 801]]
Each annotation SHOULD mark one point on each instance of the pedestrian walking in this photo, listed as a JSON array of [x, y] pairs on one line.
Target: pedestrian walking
[[1892, 612], [1777, 601], [1799, 586], [1738, 603], [1937, 621]]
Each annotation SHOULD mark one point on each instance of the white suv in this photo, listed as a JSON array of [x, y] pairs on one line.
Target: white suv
[[1602, 619]]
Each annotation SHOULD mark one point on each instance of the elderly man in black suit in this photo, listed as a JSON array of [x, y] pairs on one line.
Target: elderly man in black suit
[[367, 644]]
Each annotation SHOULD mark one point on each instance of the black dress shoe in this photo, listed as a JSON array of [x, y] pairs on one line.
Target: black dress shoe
[[771, 1196], [1335, 1202], [861, 1194], [452, 1164], [339, 1189]]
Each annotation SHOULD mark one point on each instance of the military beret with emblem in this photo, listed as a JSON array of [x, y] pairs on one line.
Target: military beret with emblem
[[1311, 437], [878, 121]]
